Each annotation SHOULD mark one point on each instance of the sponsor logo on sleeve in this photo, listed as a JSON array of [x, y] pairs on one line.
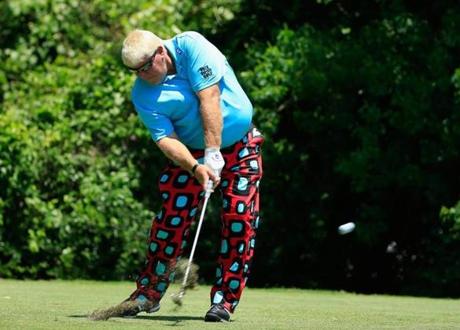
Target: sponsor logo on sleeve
[[205, 71]]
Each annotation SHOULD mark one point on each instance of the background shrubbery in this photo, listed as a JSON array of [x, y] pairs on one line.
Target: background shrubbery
[[359, 104]]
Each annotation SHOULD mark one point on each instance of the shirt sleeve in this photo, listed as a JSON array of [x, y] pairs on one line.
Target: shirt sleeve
[[158, 125], [206, 64]]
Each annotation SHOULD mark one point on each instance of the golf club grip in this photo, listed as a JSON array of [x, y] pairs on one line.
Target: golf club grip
[[208, 190]]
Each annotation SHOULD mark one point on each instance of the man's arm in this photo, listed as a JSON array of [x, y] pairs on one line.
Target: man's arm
[[179, 154], [211, 116]]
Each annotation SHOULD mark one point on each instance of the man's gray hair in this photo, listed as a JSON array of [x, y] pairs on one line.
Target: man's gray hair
[[138, 46]]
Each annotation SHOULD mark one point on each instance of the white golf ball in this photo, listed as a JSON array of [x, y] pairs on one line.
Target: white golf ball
[[346, 228]]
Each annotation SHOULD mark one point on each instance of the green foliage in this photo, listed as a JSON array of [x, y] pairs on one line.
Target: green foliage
[[359, 103], [208, 15], [77, 169], [451, 221], [70, 173], [362, 126]]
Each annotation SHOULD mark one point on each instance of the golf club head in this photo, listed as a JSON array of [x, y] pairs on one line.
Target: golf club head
[[177, 298]]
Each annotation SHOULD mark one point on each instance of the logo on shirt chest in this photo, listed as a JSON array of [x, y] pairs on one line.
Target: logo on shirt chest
[[205, 71]]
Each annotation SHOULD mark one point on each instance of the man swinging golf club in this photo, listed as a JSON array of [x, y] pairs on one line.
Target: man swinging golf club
[[188, 97]]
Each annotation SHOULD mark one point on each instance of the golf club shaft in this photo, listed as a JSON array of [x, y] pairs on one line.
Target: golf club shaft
[[197, 234]]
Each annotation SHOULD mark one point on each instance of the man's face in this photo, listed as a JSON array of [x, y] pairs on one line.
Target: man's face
[[154, 69]]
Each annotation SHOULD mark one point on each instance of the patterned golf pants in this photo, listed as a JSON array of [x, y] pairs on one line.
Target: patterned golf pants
[[182, 194]]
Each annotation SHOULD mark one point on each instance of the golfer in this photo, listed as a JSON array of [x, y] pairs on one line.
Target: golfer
[[188, 97]]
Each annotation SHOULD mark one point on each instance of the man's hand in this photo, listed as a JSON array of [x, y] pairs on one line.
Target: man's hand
[[203, 174], [214, 160]]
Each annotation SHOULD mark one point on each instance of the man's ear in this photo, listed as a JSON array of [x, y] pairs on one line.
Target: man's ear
[[161, 50]]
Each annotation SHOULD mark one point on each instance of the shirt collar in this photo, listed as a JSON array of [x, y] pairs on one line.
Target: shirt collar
[[175, 53]]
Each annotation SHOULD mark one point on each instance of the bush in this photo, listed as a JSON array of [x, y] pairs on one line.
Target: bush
[[361, 127]]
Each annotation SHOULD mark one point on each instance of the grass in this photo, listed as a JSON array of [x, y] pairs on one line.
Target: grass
[[65, 304]]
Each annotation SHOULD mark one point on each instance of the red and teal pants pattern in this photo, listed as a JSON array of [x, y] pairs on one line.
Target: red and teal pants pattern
[[182, 196]]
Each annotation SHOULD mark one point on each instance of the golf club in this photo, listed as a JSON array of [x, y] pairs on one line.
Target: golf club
[[177, 297]]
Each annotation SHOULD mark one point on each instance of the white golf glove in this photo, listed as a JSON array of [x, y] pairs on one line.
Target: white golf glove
[[214, 160]]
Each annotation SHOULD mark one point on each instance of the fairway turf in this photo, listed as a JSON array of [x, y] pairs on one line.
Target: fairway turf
[[65, 304]]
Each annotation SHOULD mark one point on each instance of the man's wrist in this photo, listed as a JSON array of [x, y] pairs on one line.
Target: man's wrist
[[211, 149], [194, 168]]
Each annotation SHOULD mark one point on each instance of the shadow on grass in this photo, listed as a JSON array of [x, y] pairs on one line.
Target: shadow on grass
[[176, 319]]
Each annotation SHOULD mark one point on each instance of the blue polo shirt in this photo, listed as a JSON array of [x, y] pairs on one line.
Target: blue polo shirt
[[173, 106]]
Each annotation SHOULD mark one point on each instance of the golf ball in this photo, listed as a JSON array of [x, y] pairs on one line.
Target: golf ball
[[346, 228]]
